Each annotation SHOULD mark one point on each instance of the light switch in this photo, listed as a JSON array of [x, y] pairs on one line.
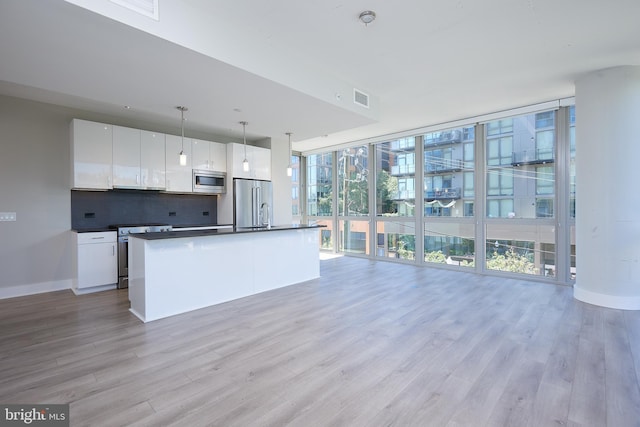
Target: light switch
[[7, 216]]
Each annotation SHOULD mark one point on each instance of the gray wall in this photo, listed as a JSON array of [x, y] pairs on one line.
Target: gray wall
[[34, 182]]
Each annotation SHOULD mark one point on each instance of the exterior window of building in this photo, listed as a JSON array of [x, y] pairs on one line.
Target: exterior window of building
[[499, 151], [499, 127], [468, 209], [469, 190], [469, 155], [469, 134], [499, 208], [500, 183]]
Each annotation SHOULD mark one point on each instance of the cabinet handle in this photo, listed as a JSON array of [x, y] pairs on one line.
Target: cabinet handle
[[137, 179], [113, 250], [97, 238]]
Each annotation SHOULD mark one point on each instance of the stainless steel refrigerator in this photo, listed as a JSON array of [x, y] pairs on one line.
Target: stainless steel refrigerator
[[252, 203]]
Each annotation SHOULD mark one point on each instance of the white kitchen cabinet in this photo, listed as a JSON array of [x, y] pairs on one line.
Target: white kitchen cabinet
[[178, 178], [152, 160], [259, 161], [91, 155], [96, 262], [138, 159], [209, 155], [126, 158]]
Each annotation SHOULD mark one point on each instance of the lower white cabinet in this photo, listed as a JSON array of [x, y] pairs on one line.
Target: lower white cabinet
[[96, 261]]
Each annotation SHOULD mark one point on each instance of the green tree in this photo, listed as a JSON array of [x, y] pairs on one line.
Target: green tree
[[435, 256], [386, 187], [511, 261]]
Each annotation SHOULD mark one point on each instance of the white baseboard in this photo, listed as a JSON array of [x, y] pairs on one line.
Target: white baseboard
[[84, 291], [609, 301], [34, 288]]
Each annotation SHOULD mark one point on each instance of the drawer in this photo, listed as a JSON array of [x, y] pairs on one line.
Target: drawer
[[96, 237]]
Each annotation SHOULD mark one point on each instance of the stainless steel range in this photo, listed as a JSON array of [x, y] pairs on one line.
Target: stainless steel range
[[123, 246]]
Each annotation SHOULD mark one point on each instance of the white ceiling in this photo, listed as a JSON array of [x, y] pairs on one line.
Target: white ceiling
[[292, 65]]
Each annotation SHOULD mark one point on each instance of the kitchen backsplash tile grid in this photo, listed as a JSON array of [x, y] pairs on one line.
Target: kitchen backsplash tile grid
[[99, 209]]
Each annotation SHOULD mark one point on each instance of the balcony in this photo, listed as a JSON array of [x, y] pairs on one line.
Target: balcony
[[442, 138], [443, 193], [444, 165], [532, 157]]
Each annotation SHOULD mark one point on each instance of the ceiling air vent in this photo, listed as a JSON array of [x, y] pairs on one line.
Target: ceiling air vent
[[148, 8], [360, 98]]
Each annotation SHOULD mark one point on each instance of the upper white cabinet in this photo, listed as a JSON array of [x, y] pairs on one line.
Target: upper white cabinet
[[138, 159], [126, 157], [259, 161], [91, 155], [152, 160], [179, 178], [209, 155]]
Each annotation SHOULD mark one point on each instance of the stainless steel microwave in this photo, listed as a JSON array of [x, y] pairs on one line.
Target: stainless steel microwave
[[206, 181]]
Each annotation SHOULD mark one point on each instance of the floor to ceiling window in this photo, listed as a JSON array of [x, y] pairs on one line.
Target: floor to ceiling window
[[486, 196], [520, 177], [353, 199], [449, 196], [395, 189]]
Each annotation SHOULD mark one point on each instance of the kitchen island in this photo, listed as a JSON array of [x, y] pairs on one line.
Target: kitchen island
[[179, 271]]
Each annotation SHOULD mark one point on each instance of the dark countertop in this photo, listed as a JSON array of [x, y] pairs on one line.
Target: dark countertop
[[223, 231], [175, 227]]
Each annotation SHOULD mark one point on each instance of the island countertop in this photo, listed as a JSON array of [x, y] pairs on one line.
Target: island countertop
[[162, 235]]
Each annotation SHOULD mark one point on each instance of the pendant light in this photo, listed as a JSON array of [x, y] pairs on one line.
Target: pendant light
[[245, 162], [289, 168], [183, 157]]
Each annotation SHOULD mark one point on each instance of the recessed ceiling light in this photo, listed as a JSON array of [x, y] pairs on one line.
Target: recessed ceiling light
[[127, 107], [367, 17], [237, 110]]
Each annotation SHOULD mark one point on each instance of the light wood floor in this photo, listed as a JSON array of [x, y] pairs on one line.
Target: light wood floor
[[368, 344]]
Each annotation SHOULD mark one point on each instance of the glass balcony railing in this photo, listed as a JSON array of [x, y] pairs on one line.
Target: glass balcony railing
[[443, 193], [440, 138], [532, 157], [444, 165]]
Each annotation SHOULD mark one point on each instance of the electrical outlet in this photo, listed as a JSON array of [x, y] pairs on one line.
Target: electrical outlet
[[7, 216]]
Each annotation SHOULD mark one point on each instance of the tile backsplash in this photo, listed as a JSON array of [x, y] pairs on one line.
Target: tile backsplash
[[99, 209]]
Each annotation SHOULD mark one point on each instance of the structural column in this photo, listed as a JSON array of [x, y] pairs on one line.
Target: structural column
[[608, 196]]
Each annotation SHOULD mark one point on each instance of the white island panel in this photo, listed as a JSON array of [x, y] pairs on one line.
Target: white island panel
[[177, 275]]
